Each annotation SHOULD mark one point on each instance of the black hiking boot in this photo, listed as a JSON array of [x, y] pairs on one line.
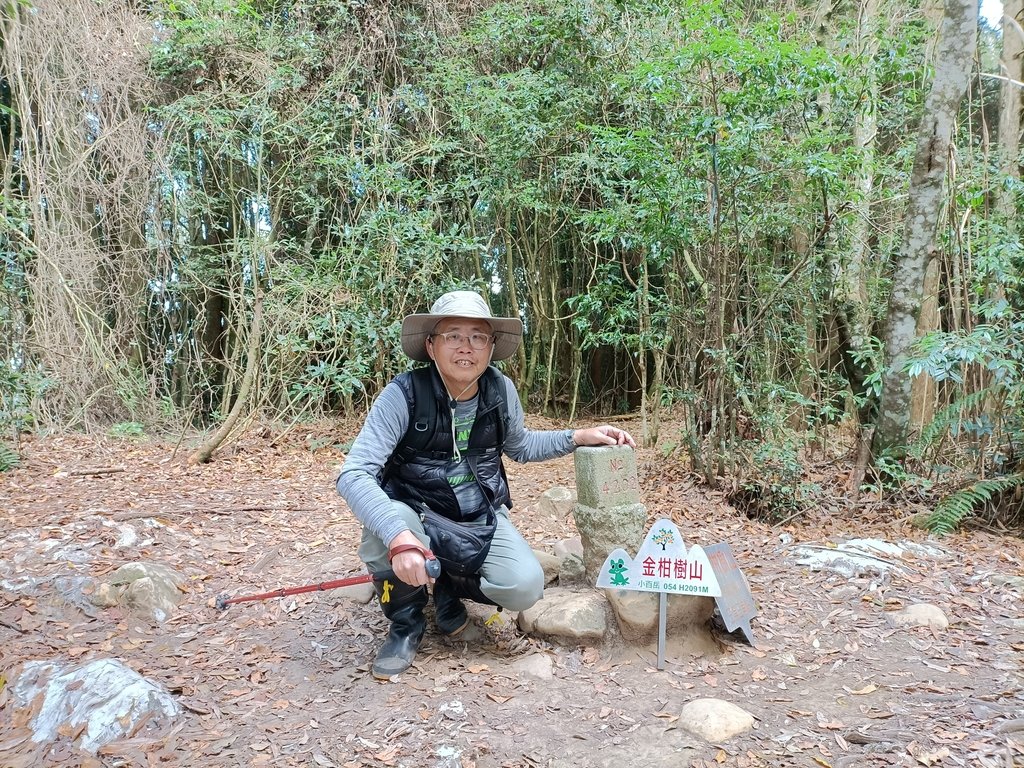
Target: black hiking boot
[[403, 604], [450, 613]]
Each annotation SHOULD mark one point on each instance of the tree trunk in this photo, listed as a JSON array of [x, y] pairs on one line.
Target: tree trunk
[[922, 387], [953, 61], [1010, 66], [853, 278], [254, 354], [644, 332]]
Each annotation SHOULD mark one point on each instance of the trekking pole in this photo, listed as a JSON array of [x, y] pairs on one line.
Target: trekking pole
[[223, 601]]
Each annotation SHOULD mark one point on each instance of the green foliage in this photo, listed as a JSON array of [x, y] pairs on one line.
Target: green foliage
[[869, 359], [947, 420], [892, 474], [961, 504], [666, 191], [20, 390], [989, 417], [9, 457], [130, 430], [985, 425], [773, 487]]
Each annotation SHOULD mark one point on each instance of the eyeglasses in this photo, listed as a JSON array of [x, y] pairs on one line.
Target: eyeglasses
[[455, 340]]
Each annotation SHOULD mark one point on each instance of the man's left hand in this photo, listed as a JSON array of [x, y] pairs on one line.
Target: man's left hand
[[603, 435]]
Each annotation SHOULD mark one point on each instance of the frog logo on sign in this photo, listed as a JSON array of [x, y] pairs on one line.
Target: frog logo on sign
[[663, 564]]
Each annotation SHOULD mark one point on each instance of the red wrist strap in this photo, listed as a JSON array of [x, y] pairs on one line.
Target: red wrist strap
[[427, 554]]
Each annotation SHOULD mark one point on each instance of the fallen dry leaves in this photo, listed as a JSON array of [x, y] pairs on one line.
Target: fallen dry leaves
[[286, 683]]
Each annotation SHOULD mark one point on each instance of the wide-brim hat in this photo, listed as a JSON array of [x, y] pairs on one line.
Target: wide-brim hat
[[415, 328]]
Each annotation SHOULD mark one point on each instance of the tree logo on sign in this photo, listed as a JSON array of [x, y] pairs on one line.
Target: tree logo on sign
[[663, 538]]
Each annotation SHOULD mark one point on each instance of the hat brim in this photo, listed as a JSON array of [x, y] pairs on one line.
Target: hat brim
[[415, 328]]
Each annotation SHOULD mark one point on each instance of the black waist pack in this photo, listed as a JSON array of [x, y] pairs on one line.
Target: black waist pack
[[461, 547]]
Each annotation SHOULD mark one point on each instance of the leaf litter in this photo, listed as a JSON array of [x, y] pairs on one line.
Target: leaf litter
[[286, 682]]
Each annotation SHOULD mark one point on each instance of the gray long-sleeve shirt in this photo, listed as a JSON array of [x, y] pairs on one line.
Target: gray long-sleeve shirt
[[360, 480]]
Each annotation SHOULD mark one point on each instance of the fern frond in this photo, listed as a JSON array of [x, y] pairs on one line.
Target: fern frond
[[9, 457], [944, 419], [961, 504]]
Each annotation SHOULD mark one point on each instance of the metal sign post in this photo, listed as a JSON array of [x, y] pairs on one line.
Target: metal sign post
[[662, 621]]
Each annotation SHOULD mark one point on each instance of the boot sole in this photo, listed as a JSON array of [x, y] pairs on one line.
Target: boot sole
[[388, 675]]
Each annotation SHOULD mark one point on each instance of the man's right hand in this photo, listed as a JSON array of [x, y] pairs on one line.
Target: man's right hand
[[410, 566]]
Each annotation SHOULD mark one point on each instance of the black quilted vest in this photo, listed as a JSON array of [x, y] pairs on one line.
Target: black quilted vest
[[417, 472]]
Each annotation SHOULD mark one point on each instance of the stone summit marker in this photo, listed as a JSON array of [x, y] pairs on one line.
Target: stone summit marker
[[608, 511], [611, 520]]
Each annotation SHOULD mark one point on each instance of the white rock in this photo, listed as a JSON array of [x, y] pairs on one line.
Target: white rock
[[920, 615], [715, 720], [538, 665], [127, 538], [106, 696], [453, 710], [861, 556], [448, 756]]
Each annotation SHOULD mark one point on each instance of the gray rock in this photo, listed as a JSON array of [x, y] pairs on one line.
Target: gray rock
[[920, 615], [573, 616], [1006, 580], [103, 699], [715, 720], [550, 564], [360, 593], [557, 503], [571, 571], [105, 595], [688, 611], [637, 613], [566, 547], [150, 589], [606, 476], [77, 591]]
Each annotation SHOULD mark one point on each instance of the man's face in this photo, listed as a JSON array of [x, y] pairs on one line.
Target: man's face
[[460, 365]]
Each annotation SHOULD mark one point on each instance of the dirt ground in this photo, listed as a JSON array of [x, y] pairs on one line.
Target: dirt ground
[[285, 682]]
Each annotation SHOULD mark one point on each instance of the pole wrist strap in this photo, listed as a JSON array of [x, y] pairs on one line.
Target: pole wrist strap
[[427, 554]]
